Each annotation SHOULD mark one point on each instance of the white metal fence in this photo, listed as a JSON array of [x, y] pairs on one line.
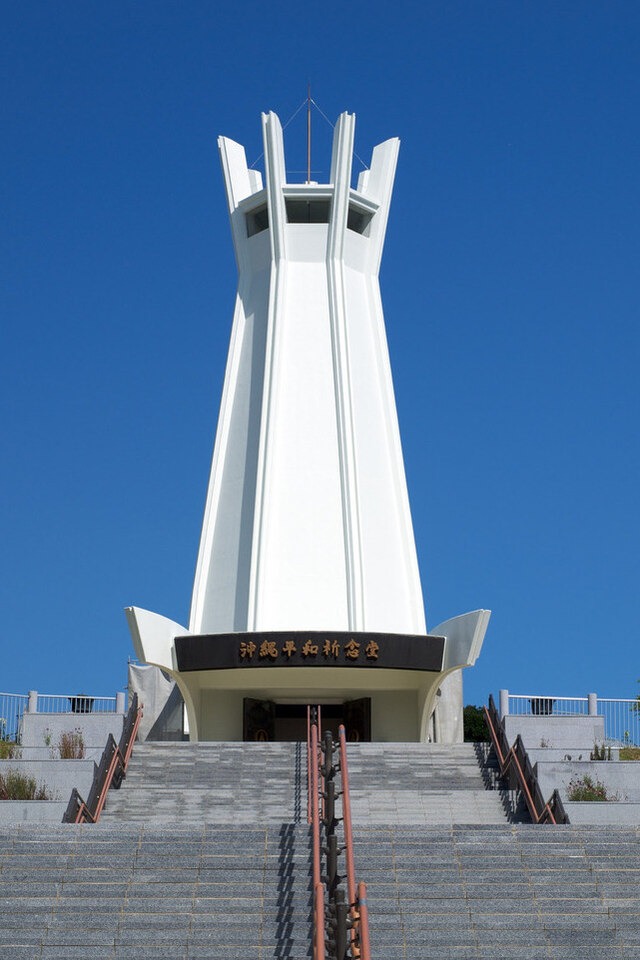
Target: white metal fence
[[621, 716], [523, 705], [55, 703], [13, 705], [621, 720]]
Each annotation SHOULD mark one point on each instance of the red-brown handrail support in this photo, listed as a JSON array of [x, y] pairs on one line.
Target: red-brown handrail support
[[516, 767], [339, 924], [110, 771]]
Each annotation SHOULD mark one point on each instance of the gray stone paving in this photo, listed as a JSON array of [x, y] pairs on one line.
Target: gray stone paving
[[420, 783], [221, 782], [447, 876], [505, 892], [212, 783], [208, 890]]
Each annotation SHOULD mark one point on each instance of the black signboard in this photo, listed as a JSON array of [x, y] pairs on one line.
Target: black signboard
[[388, 651]]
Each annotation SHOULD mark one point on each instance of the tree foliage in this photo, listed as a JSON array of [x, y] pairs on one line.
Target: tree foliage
[[475, 726]]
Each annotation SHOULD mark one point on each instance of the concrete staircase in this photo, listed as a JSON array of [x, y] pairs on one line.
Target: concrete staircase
[[123, 890], [517, 892], [204, 853], [410, 783], [421, 784], [238, 783]]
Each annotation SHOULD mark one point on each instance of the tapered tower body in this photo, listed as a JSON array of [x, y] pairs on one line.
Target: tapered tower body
[[307, 521], [307, 586]]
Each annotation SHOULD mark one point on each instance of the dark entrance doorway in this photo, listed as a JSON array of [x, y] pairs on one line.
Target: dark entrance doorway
[[267, 721]]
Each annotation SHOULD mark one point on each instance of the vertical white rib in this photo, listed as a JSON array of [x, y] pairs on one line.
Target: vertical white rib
[[340, 177], [275, 177]]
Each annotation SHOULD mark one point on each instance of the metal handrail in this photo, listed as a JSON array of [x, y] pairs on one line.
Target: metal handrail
[[342, 923], [308, 763], [315, 813], [313, 816], [318, 907], [111, 770], [357, 893], [346, 817], [365, 948], [514, 764]]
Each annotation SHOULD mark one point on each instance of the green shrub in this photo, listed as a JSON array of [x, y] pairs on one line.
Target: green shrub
[[71, 745], [475, 725], [18, 786], [586, 788], [9, 750], [601, 752]]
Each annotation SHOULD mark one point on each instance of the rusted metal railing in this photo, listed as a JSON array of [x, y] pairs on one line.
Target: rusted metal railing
[[352, 892], [110, 771], [314, 820], [516, 768], [341, 923], [314, 717]]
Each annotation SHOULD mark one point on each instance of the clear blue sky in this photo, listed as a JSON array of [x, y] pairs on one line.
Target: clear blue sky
[[510, 282]]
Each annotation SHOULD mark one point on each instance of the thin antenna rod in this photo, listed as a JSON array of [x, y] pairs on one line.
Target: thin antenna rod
[[308, 133]]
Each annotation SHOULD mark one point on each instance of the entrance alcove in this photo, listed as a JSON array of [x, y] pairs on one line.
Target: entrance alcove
[[236, 711], [268, 720]]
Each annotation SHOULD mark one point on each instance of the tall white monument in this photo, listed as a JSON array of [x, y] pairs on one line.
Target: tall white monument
[[307, 527]]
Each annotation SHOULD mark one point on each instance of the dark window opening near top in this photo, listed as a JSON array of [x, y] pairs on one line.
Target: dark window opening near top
[[257, 220], [307, 211], [359, 220]]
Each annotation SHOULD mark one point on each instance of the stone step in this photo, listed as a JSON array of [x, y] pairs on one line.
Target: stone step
[[118, 890], [216, 783], [135, 886]]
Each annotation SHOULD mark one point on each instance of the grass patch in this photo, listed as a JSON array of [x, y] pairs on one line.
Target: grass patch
[[71, 745], [630, 753], [600, 752], [9, 750], [586, 788], [18, 786]]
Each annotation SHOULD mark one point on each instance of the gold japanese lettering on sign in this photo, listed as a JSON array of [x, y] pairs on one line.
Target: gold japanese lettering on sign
[[331, 648], [352, 649], [268, 650], [371, 650]]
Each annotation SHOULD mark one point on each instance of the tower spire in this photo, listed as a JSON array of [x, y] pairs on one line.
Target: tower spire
[[308, 133]]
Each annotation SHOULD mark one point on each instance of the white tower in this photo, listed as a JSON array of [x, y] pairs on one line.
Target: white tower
[[307, 524]]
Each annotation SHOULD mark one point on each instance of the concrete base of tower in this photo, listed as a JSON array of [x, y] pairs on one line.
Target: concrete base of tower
[[384, 687], [391, 702]]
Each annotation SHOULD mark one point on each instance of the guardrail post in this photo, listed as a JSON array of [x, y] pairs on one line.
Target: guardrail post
[[331, 851], [330, 807], [363, 925], [341, 914], [120, 701], [32, 705], [328, 768], [593, 704], [504, 704]]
